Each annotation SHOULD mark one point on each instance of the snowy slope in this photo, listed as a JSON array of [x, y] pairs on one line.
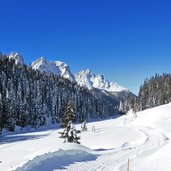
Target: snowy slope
[[159, 120], [87, 79], [144, 140], [57, 67], [44, 66], [65, 70]]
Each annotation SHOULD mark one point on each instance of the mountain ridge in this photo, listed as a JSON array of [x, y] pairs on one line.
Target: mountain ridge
[[85, 78], [88, 79]]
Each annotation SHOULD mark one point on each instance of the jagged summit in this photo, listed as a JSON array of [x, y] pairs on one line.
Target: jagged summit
[[17, 57], [44, 66], [57, 67], [87, 79], [65, 70], [86, 71]]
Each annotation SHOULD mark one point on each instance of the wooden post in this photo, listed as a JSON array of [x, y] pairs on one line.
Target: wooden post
[[128, 167]]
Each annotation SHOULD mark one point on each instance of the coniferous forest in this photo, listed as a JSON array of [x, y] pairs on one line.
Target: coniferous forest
[[154, 92], [31, 98]]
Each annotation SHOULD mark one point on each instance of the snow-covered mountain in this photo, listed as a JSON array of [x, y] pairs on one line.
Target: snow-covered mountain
[[87, 79], [84, 78], [57, 67], [65, 70], [17, 57], [44, 66]]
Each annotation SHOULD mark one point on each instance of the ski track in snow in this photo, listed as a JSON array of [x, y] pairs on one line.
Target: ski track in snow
[[118, 160], [98, 159]]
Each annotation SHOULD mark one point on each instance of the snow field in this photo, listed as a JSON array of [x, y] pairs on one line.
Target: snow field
[[144, 140]]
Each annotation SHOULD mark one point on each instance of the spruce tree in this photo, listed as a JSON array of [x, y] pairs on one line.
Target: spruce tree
[[84, 126], [70, 133], [68, 115]]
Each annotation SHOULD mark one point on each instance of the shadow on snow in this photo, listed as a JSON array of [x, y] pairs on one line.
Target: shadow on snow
[[15, 138], [57, 160]]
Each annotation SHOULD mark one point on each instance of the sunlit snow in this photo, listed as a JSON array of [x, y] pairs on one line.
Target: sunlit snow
[[143, 140]]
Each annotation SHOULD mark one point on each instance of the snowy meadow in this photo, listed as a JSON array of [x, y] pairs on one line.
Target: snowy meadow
[[143, 140]]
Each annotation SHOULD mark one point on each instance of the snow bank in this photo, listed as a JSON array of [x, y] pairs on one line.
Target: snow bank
[[159, 120], [58, 160]]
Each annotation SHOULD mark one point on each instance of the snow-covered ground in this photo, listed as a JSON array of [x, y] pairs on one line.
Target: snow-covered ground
[[144, 140]]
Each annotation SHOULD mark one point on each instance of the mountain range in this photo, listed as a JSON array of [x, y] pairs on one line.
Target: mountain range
[[84, 78]]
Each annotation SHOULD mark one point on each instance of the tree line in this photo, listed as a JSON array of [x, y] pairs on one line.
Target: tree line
[[153, 92], [31, 98]]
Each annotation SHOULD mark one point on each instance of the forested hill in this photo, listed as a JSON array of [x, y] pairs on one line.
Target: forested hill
[[32, 98], [154, 92]]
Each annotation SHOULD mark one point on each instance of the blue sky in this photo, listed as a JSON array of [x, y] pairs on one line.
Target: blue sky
[[126, 41]]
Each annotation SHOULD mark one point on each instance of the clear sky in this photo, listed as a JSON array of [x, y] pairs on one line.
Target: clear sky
[[125, 40]]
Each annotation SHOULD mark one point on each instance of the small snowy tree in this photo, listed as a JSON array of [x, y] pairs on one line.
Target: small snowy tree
[[70, 133], [84, 126]]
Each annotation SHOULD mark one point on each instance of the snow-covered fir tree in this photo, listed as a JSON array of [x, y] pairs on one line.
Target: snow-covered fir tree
[[127, 105], [84, 126], [70, 134], [68, 115]]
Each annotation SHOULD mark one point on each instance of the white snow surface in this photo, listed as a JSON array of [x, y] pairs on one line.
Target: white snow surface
[[144, 140], [57, 67], [87, 79], [65, 70], [44, 66], [17, 57]]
